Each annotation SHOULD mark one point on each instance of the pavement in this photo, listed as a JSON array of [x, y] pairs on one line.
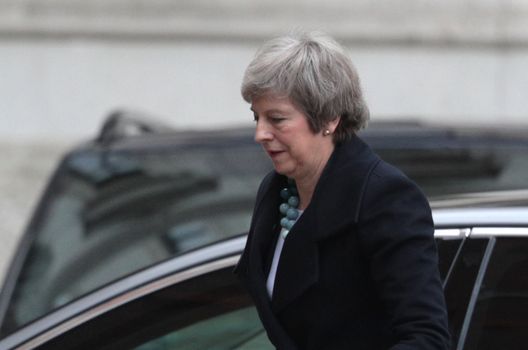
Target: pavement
[[24, 171]]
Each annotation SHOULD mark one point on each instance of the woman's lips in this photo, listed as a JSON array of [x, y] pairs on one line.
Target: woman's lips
[[274, 154]]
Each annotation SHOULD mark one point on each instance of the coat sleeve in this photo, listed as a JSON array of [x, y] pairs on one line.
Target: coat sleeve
[[396, 233]]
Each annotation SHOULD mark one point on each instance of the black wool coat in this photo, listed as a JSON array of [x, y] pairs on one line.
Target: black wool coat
[[359, 269]]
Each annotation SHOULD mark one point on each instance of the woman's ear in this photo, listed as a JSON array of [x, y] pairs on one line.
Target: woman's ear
[[332, 125]]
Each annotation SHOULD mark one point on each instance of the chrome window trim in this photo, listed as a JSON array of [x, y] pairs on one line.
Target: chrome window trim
[[478, 232], [453, 263], [481, 232], [452, 233], [468, 217]]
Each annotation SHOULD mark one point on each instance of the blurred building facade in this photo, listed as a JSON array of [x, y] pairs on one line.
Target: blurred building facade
[[65, 64]]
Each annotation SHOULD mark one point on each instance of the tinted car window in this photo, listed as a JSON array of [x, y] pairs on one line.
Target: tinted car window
[[235, 330], [459, 287], [210, 311], [447, 250], [499, 319]]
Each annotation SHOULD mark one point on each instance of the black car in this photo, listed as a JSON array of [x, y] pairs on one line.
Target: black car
[[142, 196]]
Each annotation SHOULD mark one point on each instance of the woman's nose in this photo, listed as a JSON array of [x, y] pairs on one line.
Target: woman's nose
[[262, 133]]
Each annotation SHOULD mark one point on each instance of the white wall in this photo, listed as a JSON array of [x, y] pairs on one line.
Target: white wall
[[64, 64], [64, 89]]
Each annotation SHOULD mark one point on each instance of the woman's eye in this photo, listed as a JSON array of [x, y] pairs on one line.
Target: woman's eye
[[277, 119], [255, 117]]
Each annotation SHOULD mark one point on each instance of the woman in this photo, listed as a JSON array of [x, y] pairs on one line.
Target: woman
[[340, 253]]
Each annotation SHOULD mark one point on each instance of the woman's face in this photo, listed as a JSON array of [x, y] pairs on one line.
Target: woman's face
[[284, 133]]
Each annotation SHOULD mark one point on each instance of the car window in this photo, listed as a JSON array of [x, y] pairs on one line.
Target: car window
[[459, 287], [499, 319], [447, 250], [114, 213], [210, 311], [236, 330]]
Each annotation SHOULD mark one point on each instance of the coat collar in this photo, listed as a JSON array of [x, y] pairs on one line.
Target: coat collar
[[335, 204], [338, 194]]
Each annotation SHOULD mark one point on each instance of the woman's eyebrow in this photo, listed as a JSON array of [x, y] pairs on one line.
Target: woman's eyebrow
[[275, 111]]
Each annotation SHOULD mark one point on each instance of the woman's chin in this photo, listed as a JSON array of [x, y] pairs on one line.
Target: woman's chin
[[285, 168], [279, 171], [283, 171]]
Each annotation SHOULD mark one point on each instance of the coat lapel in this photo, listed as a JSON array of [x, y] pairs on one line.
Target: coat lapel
[[298, 265], [334, 205], [266, 218]]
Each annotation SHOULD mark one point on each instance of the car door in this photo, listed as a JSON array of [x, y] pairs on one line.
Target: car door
[[497, 310], [202, 307], [485, 273]]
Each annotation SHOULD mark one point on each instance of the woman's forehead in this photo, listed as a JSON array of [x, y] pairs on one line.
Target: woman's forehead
[[269, 102]]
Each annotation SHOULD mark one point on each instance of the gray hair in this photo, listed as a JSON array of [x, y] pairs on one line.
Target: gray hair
[[313, 71]]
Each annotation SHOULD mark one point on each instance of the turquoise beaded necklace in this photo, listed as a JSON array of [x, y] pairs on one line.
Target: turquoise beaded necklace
[[288, 208]]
